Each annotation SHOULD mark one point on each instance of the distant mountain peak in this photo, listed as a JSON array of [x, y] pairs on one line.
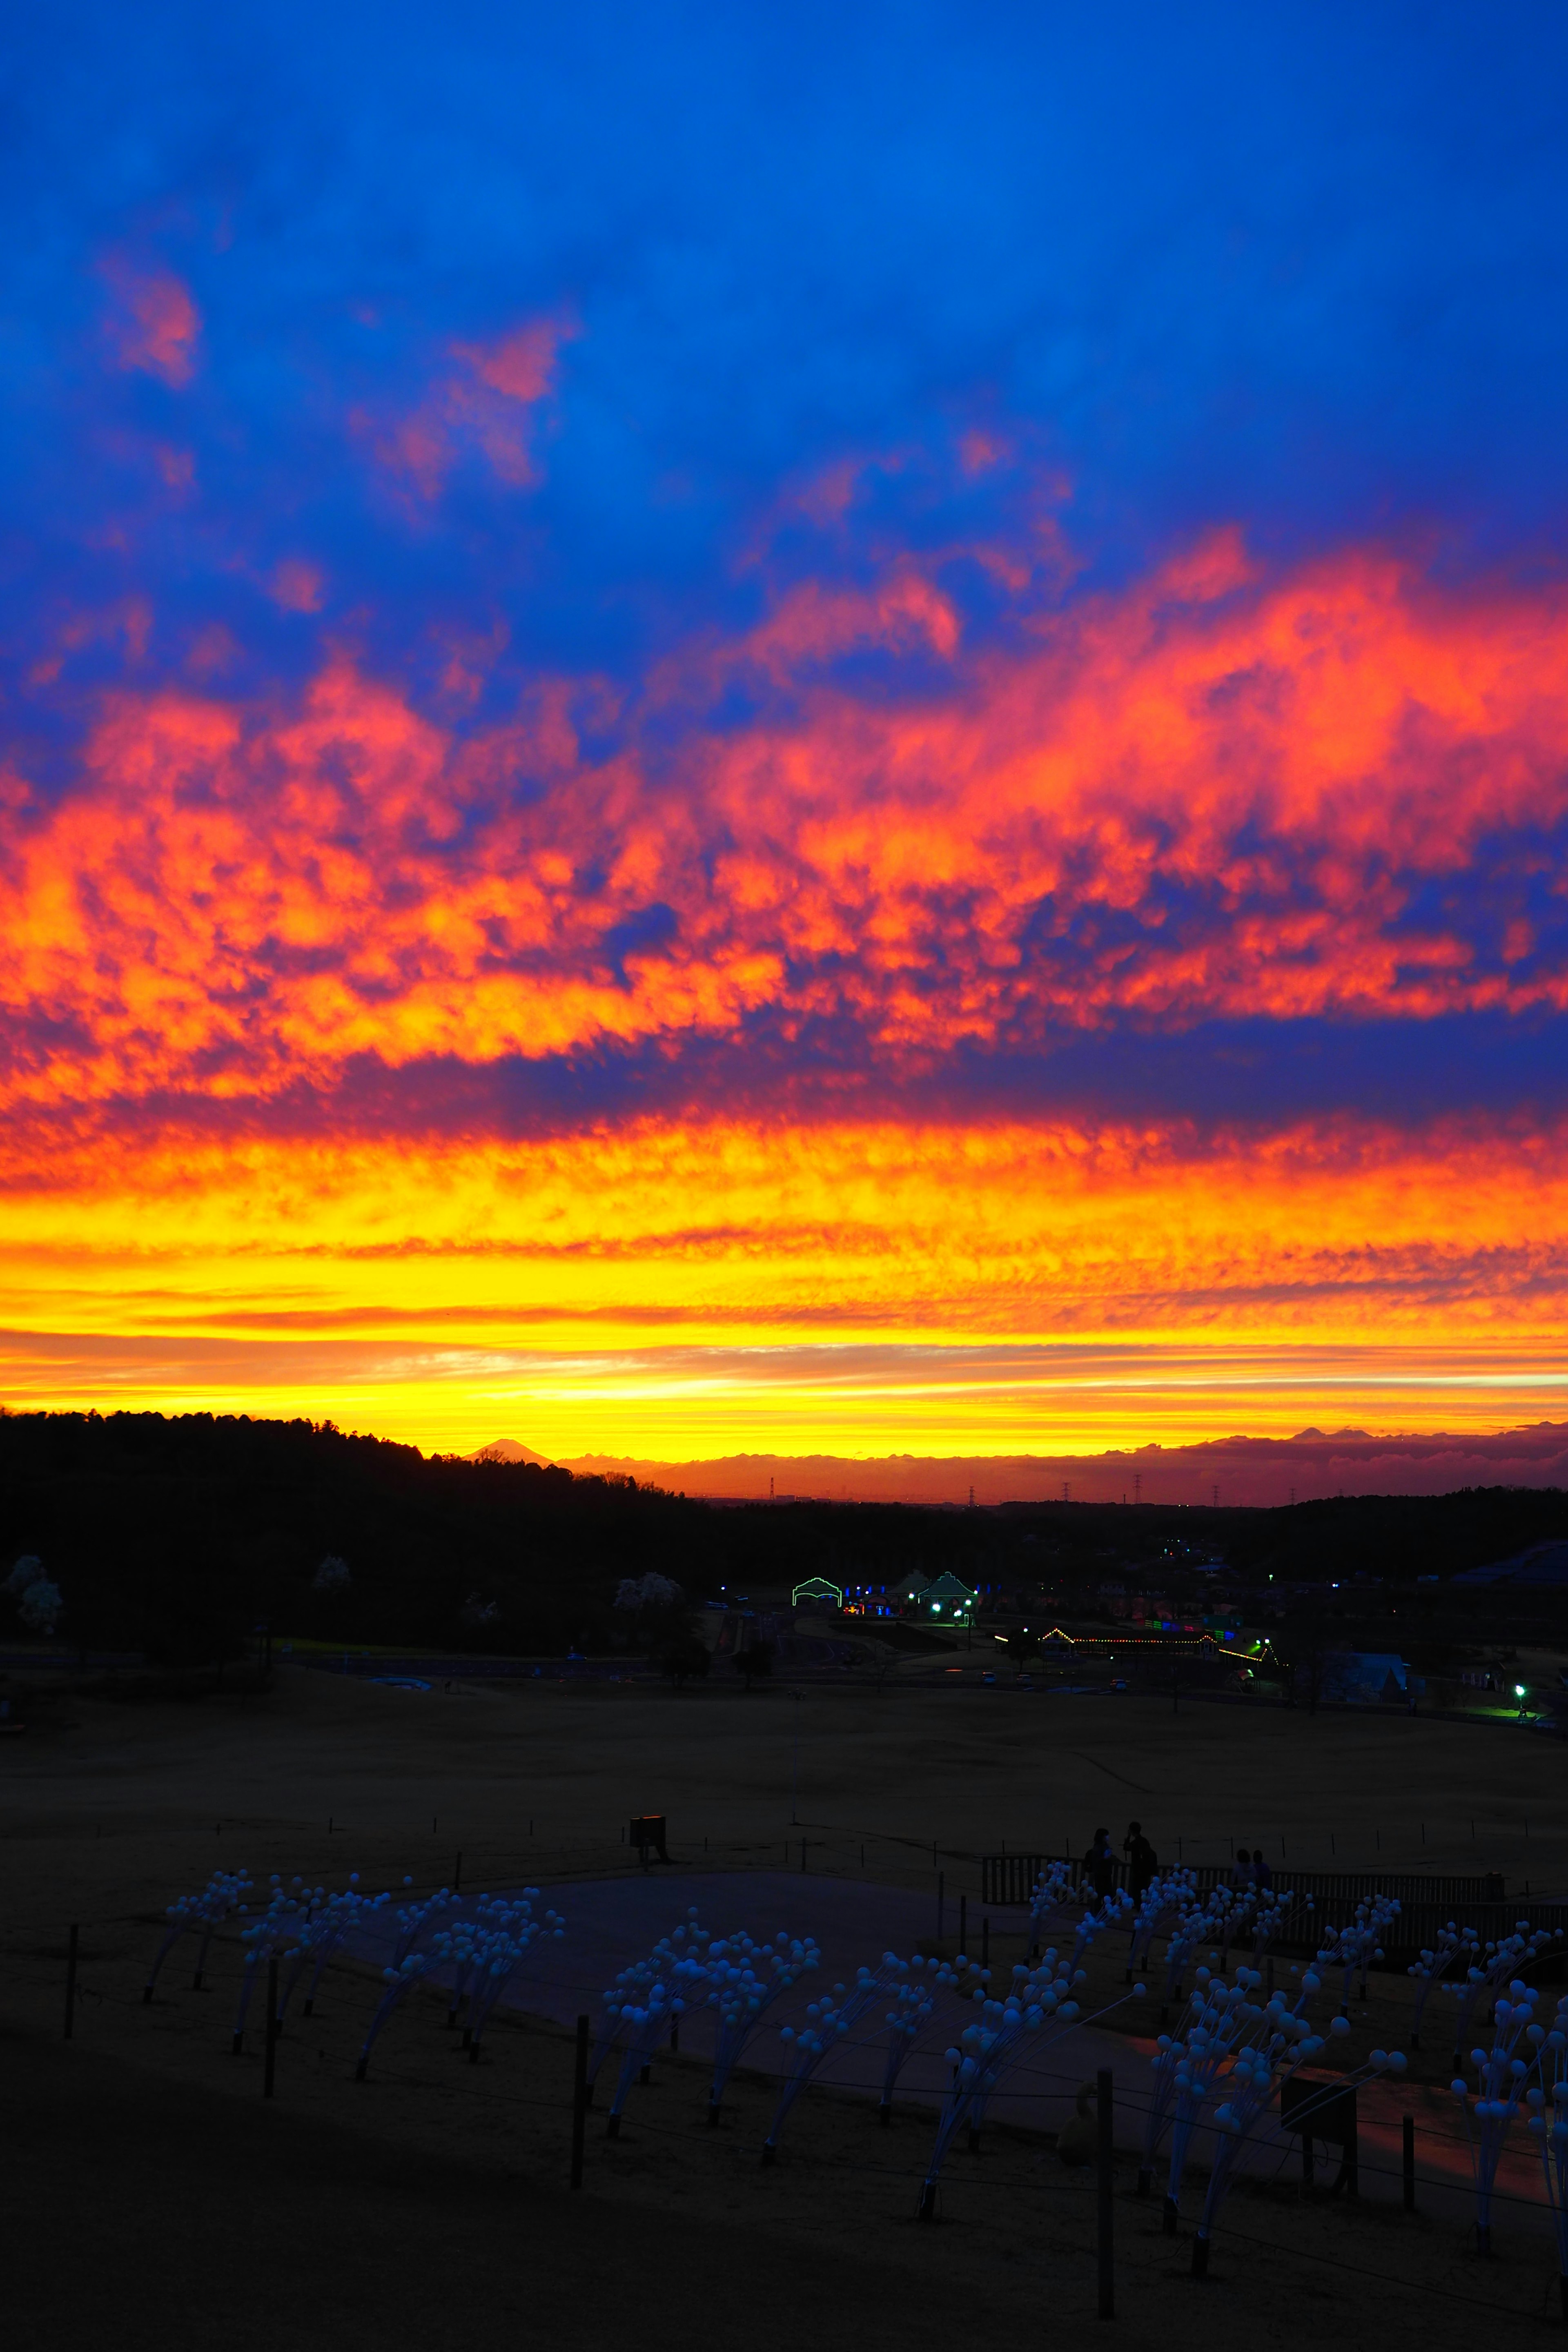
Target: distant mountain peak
[[507, 1449]]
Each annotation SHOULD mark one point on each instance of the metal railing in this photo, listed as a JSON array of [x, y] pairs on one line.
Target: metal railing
[[1010, 1878]]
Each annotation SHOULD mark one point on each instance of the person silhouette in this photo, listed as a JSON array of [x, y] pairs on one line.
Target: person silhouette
[[1140, 1858]]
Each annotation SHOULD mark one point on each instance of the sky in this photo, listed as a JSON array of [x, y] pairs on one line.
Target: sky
[[818, 731]]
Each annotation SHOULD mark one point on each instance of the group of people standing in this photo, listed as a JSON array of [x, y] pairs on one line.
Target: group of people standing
[[1100, 1862], [1249, 1869]]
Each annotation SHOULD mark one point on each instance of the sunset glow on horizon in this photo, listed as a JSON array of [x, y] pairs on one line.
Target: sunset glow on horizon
[[611, 838]]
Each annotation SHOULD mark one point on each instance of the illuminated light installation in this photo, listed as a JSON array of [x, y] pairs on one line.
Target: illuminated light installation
[[1189, 1932], [500, 1951], [1275, 1908], [1276, 2040], [687, 1944], [1498, 1962], [1354, 1947], [1003, 2035], [985, 2049], [948, 1598], [1170, 2053], [744, 1982], [827, 2021], [1112, 1910], [400, 1981], [220, 1898], [1053, 1899], [482, 1949], [1548, 2100], [645, 2023], [478, 1944], [654, 1995], [1223, 2023], [1230, 1911], [816, 1588], [913, 1987], [1453, 1948], [1503, 2084], [1168, 1895], [406, 1967], [331, 1921], [1227, 2065], [281, 1922], [1213, 2030]]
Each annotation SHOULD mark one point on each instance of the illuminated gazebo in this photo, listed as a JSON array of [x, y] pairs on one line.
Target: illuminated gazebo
[[817, 1593], [946, 1600]]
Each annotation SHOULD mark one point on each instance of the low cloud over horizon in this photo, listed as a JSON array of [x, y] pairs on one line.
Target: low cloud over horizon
[[1230, 1471]]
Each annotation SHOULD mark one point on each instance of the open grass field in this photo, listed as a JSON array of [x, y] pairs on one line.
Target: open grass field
[[117, 1802], [149, 2187]]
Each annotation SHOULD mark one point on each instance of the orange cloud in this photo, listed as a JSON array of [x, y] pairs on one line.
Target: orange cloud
[[1345, 1230], [671, 1284], [153, 323], [1210, 797]]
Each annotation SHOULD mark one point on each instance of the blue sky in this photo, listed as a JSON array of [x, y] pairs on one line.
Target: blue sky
[[1301, 268]]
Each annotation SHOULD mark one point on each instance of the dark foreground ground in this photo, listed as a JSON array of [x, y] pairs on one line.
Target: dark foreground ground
[[149, 2196], [142, 2212], [145, 2209]]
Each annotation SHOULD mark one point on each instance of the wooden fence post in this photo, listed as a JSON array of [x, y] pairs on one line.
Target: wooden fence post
[[579, 2101], [269, 2070], [1106, 2215]]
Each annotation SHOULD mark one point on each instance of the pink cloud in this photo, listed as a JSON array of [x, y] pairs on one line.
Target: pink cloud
[[212, 650], [979, 451], [297, 587], [521, 365], [153, 323], [469, 657], [178, 469], [127, 626], [484, 407]]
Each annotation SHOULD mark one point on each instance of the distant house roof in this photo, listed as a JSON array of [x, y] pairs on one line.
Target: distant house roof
[[1366, 1674], [1542, 1563]]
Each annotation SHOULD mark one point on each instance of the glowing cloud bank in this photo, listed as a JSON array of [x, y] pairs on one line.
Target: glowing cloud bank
[[1206, 799]]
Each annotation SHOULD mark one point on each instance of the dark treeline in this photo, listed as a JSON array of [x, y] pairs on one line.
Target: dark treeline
[[1396, 1537], [177, 1537]]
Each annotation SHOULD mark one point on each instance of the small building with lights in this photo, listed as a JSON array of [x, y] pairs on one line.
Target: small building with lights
[[944, 1601]]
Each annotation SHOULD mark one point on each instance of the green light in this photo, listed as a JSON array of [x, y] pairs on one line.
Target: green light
[[1519, 1690]]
